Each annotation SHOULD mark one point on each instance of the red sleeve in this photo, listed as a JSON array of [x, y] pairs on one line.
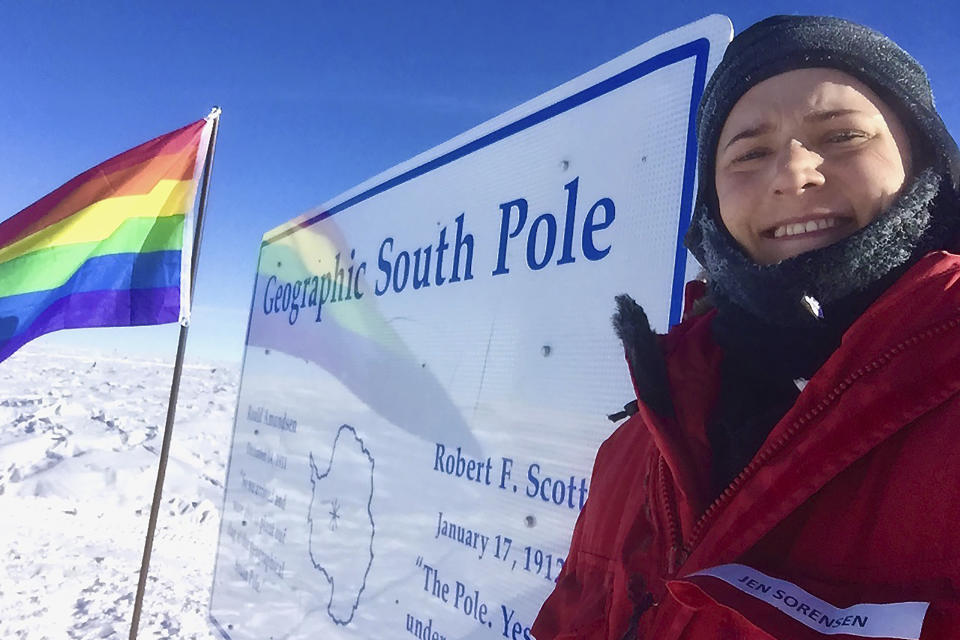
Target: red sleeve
[[576, 610], [587, 601]]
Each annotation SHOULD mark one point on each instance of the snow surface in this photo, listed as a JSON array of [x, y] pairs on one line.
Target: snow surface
[[80, 436]]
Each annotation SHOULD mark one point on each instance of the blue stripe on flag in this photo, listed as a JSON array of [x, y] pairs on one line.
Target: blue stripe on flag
[[117, 271]]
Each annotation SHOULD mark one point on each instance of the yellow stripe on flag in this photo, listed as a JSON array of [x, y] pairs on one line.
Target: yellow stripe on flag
[[101, 219]]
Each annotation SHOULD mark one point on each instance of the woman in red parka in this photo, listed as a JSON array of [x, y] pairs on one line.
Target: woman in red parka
[[792, 469]]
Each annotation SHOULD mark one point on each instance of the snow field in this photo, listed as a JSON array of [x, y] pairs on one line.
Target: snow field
[[80, 437]]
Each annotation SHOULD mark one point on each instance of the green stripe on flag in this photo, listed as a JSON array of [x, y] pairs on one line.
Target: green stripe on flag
[[51, 267]]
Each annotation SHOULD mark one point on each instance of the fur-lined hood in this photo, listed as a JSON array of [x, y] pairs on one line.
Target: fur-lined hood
[[644, 356]]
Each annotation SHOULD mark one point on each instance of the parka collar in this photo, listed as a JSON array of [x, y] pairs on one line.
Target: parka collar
[[896, 362]]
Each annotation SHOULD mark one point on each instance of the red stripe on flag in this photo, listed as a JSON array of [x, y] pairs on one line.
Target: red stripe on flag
[[95, 184]]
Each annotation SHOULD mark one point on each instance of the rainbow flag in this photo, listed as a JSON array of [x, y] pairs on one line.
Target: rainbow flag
[[110, 248]]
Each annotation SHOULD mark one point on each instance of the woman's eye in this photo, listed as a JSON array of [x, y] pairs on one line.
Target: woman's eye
[[752, 154], [846, 136]]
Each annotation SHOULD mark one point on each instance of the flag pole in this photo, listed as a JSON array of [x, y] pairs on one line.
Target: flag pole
[[175, 384]]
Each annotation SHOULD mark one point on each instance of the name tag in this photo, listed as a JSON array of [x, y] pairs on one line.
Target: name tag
[[895, 620]]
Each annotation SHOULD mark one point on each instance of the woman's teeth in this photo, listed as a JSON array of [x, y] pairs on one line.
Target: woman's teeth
[[809, 226]]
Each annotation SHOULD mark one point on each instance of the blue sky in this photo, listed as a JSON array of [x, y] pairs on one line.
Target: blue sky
[[319, 96]]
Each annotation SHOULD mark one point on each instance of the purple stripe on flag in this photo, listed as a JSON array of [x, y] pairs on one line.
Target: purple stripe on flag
[[116, 308]]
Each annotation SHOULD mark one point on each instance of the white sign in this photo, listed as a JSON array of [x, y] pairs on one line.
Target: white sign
[[430, 362]]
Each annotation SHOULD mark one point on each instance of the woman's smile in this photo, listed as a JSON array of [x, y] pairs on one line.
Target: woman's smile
[[805, 159]]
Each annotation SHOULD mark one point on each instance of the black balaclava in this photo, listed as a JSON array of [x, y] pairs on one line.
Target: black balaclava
[[784, 43], [778, 323]]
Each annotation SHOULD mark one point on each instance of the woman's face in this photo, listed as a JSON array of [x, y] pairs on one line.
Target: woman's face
[[805, 159]]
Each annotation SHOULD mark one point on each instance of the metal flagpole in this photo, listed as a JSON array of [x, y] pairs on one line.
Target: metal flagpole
[[175, 385]]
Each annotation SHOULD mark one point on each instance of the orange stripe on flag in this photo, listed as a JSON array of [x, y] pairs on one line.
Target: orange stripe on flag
[[136, 180], [174, 154]]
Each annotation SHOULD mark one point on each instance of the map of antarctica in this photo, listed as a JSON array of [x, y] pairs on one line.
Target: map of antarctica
[[341, 522]]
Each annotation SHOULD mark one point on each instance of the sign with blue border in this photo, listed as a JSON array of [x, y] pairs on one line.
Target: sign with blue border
[[429, 361]]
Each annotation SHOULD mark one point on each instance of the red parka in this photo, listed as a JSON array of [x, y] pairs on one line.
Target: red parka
[[852, 501]]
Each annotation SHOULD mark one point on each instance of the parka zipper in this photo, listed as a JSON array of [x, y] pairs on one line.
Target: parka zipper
[[681, 551], [673, 525]]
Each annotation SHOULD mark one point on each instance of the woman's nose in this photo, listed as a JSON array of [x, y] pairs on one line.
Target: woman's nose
[[797, 169]]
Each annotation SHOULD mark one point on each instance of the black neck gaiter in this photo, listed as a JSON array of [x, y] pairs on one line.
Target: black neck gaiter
[[774, 293], [771, 337]]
